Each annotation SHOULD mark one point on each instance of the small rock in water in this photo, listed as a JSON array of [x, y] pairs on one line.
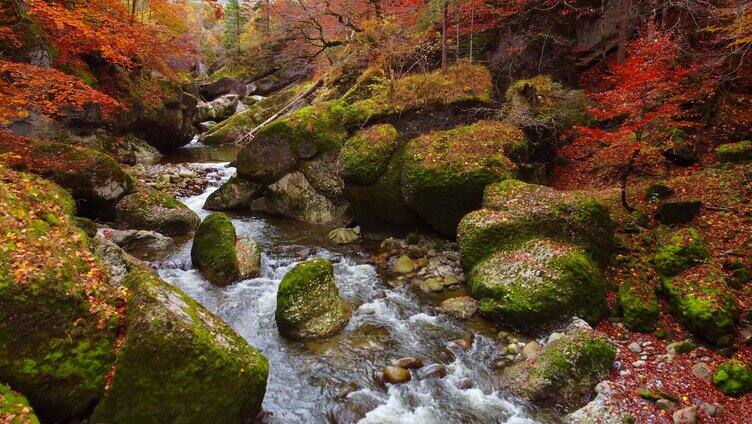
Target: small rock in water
[[686, 416], [465, 384], [429, 285], [462, 307], [409, 362], [554, 337], [396, 375], [343, 236], [531, 349], [464, 344], [403, 265], [433, 371]]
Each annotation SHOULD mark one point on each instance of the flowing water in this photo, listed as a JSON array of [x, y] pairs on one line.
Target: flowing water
[[315, 381]]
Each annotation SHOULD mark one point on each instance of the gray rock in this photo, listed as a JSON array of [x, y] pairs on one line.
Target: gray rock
[[686, 416], [143, 240], [462, 307], [223, 86], [236, 193], [294, 197], [709, 409], [531, 349], [248, 252], [702, 371], [343, 236], [635, 347], [217, 110], [665, 405]]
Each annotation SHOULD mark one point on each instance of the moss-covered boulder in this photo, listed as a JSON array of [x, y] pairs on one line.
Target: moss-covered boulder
[[14, 408], [638, 306], [236, 193], [740, 152], [94, 179], [58, 316], [680, 250], [179, 363], [293, 196], [217, 251], [162, 112], [703, 303], [541, 282], [366, 155], [308, 302], [514, 212], [444, 172], [125, 148], [148, 209], [566, 371], [228, 131], [278, 147], [733, 377], [541, 102]]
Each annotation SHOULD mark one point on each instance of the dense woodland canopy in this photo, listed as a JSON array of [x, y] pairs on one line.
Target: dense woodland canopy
[[629, 122]]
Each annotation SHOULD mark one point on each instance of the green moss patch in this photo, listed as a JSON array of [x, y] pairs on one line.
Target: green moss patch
[[733, 378], [542, 282], [308, 302], [638, 306], [740, 152], [514, 212], [366, 155], [703, 303], [58, 316], [213, 251], [179, 363], [14, 408], [680, 250]]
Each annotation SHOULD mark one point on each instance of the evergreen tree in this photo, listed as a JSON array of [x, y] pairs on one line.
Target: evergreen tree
[[235, 21]]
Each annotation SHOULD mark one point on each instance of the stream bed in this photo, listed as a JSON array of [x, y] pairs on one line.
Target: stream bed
[[332, 380]]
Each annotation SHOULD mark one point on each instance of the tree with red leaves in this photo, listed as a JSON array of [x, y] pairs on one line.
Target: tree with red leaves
[[641, 102]]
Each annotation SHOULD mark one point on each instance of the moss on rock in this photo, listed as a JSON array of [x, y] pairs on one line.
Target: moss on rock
[[213, 251], [148, 209], [96, 181], [179, 363], [445, 172], [680, 250], [58, 316], [14, 408], [308, 302], [565, 372], [733, 377], [703, 303], [514, 212], [542, 102], [541, 282], [638, 306], [740, 152], [236, 193], [366, 155]]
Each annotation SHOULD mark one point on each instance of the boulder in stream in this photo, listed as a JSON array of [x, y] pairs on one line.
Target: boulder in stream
[[236, 193], [180, 363], [308, 302], [216, 110], [148, 209], [220, 255]]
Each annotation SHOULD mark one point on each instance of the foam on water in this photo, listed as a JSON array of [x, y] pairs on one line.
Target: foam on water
[[305, 377]]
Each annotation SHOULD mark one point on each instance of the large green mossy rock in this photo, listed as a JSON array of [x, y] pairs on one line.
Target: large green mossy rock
[[703, 303], [179, 363], [514, 212], [680, 250], [15, 408], [213, 250], [58, 316], [565, 373], [236, 193], [220, 255], [740, 152], [733, 377], [308, 302], [638, 306], [366, 155], [445, 172], [541, 282], [278, 147], [228, 131], [541, 102], [96, 181], [148, 209]]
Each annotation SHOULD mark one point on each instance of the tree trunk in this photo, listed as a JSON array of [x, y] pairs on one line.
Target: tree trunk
[[472, 32], [624, 10], [445, 10]]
